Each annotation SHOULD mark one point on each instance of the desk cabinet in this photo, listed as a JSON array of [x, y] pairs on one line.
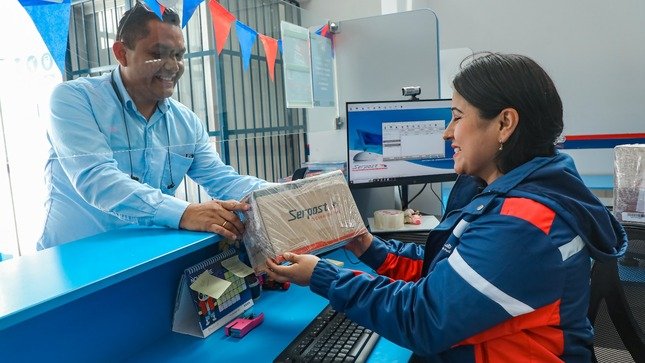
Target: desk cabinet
[[111, 298]]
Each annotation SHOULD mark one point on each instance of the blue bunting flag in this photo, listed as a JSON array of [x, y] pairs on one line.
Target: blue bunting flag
[[189, 7], [155, 6], [246, 36], [51, 18]]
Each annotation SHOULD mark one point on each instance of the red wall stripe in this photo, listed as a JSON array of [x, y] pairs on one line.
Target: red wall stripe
[[605, 136]]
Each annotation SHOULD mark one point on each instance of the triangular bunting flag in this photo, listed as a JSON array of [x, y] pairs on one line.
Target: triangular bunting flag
[[280, 45], [155, 7], [52, 21], [324, 31], [246, 36], [222, 20], [270, 49], [189, 7]]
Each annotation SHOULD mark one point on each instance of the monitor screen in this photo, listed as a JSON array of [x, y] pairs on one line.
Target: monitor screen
[[398, 143]]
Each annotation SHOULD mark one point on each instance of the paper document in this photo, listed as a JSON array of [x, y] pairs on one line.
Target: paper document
[[237, 267], [210, 285]]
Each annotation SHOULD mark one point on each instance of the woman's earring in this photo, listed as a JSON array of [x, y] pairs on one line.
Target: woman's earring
[[501, 145]]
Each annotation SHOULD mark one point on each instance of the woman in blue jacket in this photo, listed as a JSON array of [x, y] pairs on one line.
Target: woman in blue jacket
[[505, 276]]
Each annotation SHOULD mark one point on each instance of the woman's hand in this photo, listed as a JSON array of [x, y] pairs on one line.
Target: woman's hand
[[360, 244], [299, 272]]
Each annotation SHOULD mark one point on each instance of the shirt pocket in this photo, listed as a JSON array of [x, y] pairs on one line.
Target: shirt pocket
[[174, 174]]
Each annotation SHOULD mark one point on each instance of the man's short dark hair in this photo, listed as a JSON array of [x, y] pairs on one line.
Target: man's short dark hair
[[134, 23]]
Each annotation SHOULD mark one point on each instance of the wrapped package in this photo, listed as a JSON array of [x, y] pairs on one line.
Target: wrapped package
[[629, 183], [310, 215]]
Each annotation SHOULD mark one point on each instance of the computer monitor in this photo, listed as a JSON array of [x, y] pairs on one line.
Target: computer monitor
[[398, 143]]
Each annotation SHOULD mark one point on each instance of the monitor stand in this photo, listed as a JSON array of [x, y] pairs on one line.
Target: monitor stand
[[404, 197]]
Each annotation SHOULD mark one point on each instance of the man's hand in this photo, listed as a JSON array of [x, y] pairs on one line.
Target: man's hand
[[215, 216], [299, 272]]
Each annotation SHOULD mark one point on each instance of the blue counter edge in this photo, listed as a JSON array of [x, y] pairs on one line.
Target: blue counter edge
[[147, 258]]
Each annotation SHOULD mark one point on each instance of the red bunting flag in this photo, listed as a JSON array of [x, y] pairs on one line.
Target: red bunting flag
[[222, 21], [270, 49], [324, 30]]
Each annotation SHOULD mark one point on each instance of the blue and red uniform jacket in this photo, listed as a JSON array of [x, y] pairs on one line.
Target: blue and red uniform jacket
[[503, 278]]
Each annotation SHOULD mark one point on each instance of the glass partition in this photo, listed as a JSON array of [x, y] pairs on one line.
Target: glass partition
[[244, 110]]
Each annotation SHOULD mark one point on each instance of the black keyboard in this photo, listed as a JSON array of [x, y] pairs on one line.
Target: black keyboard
[[330, 337]]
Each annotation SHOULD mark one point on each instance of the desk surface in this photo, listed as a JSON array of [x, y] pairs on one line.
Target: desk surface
[[286, 313], [605, 182]]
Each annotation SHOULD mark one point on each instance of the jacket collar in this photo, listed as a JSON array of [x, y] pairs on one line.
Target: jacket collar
[[470, 195], [510, 180]]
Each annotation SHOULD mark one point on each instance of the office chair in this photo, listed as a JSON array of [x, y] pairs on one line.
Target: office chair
[[636, 248], [617, 304], [299, 174]]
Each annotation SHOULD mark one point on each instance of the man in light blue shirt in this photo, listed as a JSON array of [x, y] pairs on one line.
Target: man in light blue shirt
[[120, 145]]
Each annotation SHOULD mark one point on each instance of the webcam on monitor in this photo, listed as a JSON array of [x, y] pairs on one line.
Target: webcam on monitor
[[412, 91]]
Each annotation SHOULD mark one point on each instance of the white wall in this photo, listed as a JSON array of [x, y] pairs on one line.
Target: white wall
[[342, 9], [592, 49]]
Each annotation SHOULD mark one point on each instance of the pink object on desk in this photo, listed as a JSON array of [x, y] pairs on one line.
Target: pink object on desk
[[241, 326]]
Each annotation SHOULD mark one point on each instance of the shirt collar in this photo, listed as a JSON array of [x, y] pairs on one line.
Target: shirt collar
[[164, 105], [127, 100], [123, 95]]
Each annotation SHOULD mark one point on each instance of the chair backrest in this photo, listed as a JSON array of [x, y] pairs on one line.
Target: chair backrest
[[617, 306], [636, 248], [299, 173]]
